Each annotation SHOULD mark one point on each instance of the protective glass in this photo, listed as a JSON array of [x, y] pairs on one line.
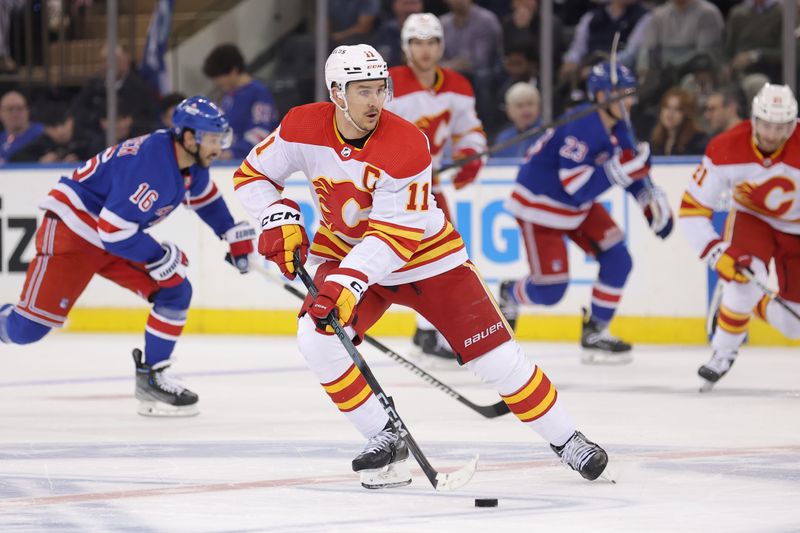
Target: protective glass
[[365, 95]]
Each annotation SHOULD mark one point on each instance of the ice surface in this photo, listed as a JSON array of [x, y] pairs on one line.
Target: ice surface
[[270, 453]]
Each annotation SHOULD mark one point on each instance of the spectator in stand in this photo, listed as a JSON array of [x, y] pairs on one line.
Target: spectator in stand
[[97, 140], [595, 33], [522, 26], [57, 143], [90, 104], [723, 110], [753, 39], [387, 37], [676, 132], [248, 104], [167, 106], [352, 22], [474, 47], [18, 130], [523, 108], [678, 30]]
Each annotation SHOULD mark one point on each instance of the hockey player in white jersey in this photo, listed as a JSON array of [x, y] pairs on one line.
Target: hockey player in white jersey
[[757, 163], [383, 240], [441, 103]]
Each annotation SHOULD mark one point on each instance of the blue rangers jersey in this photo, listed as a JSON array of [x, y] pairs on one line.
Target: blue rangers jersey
[[113, 197], [564, 174], [252, 115]]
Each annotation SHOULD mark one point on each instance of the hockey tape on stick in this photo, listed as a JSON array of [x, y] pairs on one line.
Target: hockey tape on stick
[[769, 292], [565, 119], [439, 480], [489, 411]]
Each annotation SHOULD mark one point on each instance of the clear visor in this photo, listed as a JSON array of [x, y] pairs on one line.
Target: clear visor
[[363, 94], [214, 139]]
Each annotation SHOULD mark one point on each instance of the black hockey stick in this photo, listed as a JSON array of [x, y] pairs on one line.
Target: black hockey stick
[[489, 411], [439, 480], [749, 274], [565, 119]]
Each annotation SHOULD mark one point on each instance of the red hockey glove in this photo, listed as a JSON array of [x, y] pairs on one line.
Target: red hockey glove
[[170, 269], [469, 171], [656, 210], [341, 290], [282, 232], [728, 261], [240, 238]]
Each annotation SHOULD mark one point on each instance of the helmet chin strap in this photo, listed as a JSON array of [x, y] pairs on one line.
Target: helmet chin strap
[[195, 154], [346, 112]]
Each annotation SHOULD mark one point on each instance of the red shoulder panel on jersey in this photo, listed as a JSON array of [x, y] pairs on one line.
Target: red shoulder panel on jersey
[[403, 80], [455, 82], [733, 147], [397, 146], [302, 124]]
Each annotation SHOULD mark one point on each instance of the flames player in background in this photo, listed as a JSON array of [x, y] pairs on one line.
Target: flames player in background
[[441, 103], [556, 197], [382, 240], [757, 163], [94, 224]]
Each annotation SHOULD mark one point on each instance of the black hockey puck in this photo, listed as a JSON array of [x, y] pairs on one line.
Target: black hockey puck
[[485, 502]]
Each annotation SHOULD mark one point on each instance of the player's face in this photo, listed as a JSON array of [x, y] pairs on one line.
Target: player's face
[[770, 135], [212, 145], [425, 54], [365, 101], [615, 109]]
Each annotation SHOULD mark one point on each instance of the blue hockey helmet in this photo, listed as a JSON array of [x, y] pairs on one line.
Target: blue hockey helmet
[[202, 116], [600, 79]]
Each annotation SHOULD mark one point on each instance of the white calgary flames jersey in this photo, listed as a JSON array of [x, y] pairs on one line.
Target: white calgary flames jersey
[[377, 212], [766, 187], [447, 110]]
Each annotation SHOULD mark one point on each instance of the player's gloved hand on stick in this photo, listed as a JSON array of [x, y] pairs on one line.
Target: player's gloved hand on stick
[[341, 290], [282, 232], [170, 269], [728, 261], [240, 239], [469, 171], [655, 207], [626, 167]]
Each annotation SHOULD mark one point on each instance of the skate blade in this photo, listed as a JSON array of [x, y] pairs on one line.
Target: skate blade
[[707, 386], [160, 409], [594, 357], [390, 476]]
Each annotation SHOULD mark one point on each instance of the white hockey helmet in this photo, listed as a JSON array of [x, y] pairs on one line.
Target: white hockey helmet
[[422, 26], [776, 107], [352, 63], [775, 104]]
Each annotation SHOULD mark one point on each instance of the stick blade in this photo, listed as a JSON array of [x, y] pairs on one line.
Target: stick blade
[[457, 479]]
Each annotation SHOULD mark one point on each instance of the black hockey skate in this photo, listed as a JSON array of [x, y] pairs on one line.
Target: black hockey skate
[[382, 463], [719, 365], [507, 305], [583, 456], [600, 346], [158, 393], [429, 343]]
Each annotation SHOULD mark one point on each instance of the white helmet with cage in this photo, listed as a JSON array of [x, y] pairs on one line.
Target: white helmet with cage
[[422, 26], [776, 106], [351, 63]]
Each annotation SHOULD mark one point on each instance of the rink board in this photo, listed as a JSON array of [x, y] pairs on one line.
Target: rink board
[[664, 301]]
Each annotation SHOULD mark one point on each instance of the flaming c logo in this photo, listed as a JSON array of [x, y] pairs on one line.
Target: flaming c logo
[[430, 127], [345, 207], [774, 197]]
